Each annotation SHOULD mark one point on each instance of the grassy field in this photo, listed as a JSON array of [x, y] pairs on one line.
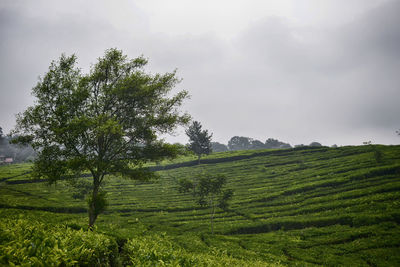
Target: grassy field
[[305, 206]]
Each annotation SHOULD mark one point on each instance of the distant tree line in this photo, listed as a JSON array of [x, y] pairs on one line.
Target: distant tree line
[[247, 143], [19, 153], [312, 144]]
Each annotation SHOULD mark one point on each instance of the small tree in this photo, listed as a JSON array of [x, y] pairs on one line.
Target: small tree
[[209, 193], [105, 122], [199, 140]]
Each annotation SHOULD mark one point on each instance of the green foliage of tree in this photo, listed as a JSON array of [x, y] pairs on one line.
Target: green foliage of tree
[[218, 147], [239, 143], [257, 144], [199, 140], [104, 122], [315, 144], [208, 191], [274, 143], [247, 143], [80, 188], [185, 185]]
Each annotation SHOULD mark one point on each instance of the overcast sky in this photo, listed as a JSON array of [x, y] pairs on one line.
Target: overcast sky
[[298, 71]]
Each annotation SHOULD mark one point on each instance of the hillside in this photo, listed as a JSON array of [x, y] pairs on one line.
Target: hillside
[[306, 206]]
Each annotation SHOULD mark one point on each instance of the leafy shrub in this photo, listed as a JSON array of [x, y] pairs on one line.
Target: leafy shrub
[[159, 250], [155, 250], [24, 242]]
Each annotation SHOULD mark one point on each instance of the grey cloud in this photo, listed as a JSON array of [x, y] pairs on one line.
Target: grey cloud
[[30, 43], [376, 36], [273, 43], [371, 49], [335, 85], [332, 85], [339, 79]]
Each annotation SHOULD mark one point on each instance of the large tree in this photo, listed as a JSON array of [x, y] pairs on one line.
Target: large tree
[[199, 140], [105, 122]]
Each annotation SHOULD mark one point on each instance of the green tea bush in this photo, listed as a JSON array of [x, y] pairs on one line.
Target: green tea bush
[[155, 250], [159, 250], [28, 243], [343, 209]]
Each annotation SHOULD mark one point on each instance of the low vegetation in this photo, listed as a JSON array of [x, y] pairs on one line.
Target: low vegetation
[[305, 206]]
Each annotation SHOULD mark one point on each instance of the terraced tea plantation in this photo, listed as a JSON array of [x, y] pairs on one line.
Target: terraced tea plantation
[[304, 206]]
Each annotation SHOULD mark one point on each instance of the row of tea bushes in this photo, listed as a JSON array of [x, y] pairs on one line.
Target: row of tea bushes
[[159, 250], [24, 242], [30, 243]]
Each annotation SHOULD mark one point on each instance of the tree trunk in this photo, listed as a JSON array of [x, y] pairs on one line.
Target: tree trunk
[[212, 215], [198, 159], [93, 203], [194, 188]]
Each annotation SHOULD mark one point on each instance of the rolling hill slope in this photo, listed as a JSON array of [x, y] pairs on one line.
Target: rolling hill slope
[[307, 206]]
